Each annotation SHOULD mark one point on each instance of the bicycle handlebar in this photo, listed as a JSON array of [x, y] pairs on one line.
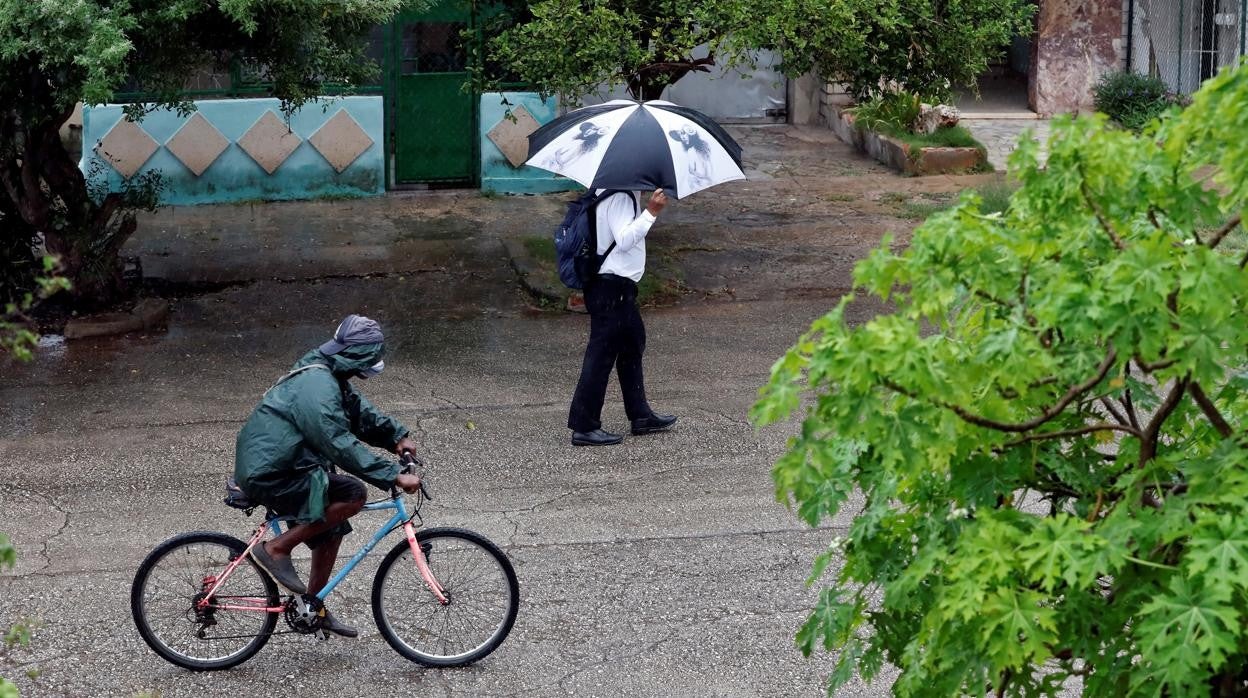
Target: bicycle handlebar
[[410, 465]]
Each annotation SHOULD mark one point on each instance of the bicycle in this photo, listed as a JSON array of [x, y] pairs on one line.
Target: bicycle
[[223, 608]]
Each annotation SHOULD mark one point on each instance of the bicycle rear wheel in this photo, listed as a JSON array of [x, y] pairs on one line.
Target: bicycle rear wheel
[[480, 583], [173, 578]]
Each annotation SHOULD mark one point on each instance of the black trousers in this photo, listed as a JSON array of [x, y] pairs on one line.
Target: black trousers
[[617, 338]]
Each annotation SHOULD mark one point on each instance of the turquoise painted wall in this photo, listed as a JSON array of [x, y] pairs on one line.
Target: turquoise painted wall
[[234, 175], [497, 173]]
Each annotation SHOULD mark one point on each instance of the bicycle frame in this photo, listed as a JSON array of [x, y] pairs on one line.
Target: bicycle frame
[[400, 517]]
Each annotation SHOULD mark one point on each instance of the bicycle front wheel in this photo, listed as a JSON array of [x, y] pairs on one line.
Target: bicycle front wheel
[[479, 582], [175, 576]]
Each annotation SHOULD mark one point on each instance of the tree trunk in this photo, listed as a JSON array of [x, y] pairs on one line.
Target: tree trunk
[[49, 193]]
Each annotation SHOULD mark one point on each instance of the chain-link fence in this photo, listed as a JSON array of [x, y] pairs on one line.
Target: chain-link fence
[[1185, 42]]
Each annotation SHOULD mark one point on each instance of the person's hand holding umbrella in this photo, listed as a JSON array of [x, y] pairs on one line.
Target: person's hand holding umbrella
[[658, 200]]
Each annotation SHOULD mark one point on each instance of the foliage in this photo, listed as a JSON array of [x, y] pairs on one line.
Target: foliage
[[55, 53], [571, 47], [1131, 99], [1047, 432], [16, 336], [922, 46], [897, 109], [8, 558]]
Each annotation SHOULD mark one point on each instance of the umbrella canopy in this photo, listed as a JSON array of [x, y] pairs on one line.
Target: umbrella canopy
[[630, 145]]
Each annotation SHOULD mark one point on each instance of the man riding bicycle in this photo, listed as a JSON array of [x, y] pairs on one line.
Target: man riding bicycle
[[309, 422]]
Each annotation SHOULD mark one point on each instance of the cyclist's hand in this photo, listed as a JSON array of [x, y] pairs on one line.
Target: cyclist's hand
[[406, 444], [408, 483]]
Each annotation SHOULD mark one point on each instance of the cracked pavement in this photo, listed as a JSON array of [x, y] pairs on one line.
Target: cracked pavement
[[660, 567]]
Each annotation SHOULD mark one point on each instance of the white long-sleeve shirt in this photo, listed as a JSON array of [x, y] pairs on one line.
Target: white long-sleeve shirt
[[617, 219]]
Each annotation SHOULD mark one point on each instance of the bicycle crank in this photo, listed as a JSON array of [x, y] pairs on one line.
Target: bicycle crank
[[304, 613]]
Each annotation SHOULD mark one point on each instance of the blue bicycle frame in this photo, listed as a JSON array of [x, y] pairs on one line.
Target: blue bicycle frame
[[400, 518]]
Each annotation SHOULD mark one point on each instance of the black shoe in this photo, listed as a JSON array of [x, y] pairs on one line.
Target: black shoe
[[331, 624], [280, 569], [653, 423], [596, 437]]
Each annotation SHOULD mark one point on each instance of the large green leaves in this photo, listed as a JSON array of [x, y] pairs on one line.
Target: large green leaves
[[1047, 427]]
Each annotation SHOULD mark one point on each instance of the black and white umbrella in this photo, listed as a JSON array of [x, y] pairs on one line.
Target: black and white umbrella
[[637, 146]]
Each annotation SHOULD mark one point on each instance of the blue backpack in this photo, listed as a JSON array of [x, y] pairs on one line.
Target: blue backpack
[[576, 240]]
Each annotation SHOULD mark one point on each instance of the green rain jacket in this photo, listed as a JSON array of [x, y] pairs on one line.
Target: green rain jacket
[[312, 419]]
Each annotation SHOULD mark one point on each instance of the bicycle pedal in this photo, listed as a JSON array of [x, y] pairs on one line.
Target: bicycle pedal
[[324, 635]]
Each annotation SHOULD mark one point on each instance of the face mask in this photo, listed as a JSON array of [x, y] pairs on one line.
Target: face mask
[[373, 370]]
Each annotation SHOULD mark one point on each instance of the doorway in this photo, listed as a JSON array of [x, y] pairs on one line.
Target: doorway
[[433, 122]]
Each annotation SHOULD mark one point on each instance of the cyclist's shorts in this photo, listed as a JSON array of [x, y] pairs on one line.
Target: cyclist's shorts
[[342, 488]]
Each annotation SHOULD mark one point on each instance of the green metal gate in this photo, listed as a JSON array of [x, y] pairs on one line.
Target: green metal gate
[[433, 122], [1185, 42]]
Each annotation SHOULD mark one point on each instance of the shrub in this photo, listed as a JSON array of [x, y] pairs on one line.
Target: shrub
[[1042, 438], [1131, 99], [895, 109]]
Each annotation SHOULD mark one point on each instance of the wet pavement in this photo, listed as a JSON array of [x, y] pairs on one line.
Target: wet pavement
[[663, 566]]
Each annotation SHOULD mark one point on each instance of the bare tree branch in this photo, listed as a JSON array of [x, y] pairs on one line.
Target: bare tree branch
[[1210, 410], [1224, 231], [1113, 411], [1157, 366]]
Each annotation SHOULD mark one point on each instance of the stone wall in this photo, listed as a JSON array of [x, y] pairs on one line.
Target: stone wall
[[242, 149], [1077, 41]]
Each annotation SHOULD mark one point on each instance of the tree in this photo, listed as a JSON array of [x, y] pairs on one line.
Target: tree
[[927, 47], [56, 53], [1047, 431], [570, 47]]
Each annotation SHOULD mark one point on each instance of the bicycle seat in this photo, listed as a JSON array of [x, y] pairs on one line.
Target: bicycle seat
[[235, 496]]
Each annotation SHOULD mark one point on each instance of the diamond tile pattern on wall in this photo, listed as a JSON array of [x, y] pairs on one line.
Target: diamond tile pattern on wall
[[341, 140], [126, 147], [512, 138], [269, 142], [197, 144]]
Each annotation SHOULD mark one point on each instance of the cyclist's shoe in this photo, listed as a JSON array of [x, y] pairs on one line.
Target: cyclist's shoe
[[280, 569], [331, 624]]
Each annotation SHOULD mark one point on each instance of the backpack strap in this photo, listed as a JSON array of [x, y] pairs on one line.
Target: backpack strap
[[593, 221], [294, 373]]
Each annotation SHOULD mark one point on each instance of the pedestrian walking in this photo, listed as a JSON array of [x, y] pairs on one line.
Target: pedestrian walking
[[624, 147], [617, 336]]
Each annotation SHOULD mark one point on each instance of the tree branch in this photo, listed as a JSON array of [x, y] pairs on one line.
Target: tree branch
[[1113, 411], [1100, 216], [1148, 442], [1050, 413], [1149, 368], [1210, 410], [1224, 231], [1066, 433]]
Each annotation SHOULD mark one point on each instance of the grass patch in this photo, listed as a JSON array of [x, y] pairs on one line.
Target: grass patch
[[840, 197], [995, 196], [541, 248], [662, 282], [947, 137]]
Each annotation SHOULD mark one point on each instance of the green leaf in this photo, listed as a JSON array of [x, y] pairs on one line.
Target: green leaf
[[1059, 552], [1219, 550], [1184, 630]]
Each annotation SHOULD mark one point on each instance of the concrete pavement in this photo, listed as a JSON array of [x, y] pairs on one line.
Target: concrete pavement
[[663, 566]]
